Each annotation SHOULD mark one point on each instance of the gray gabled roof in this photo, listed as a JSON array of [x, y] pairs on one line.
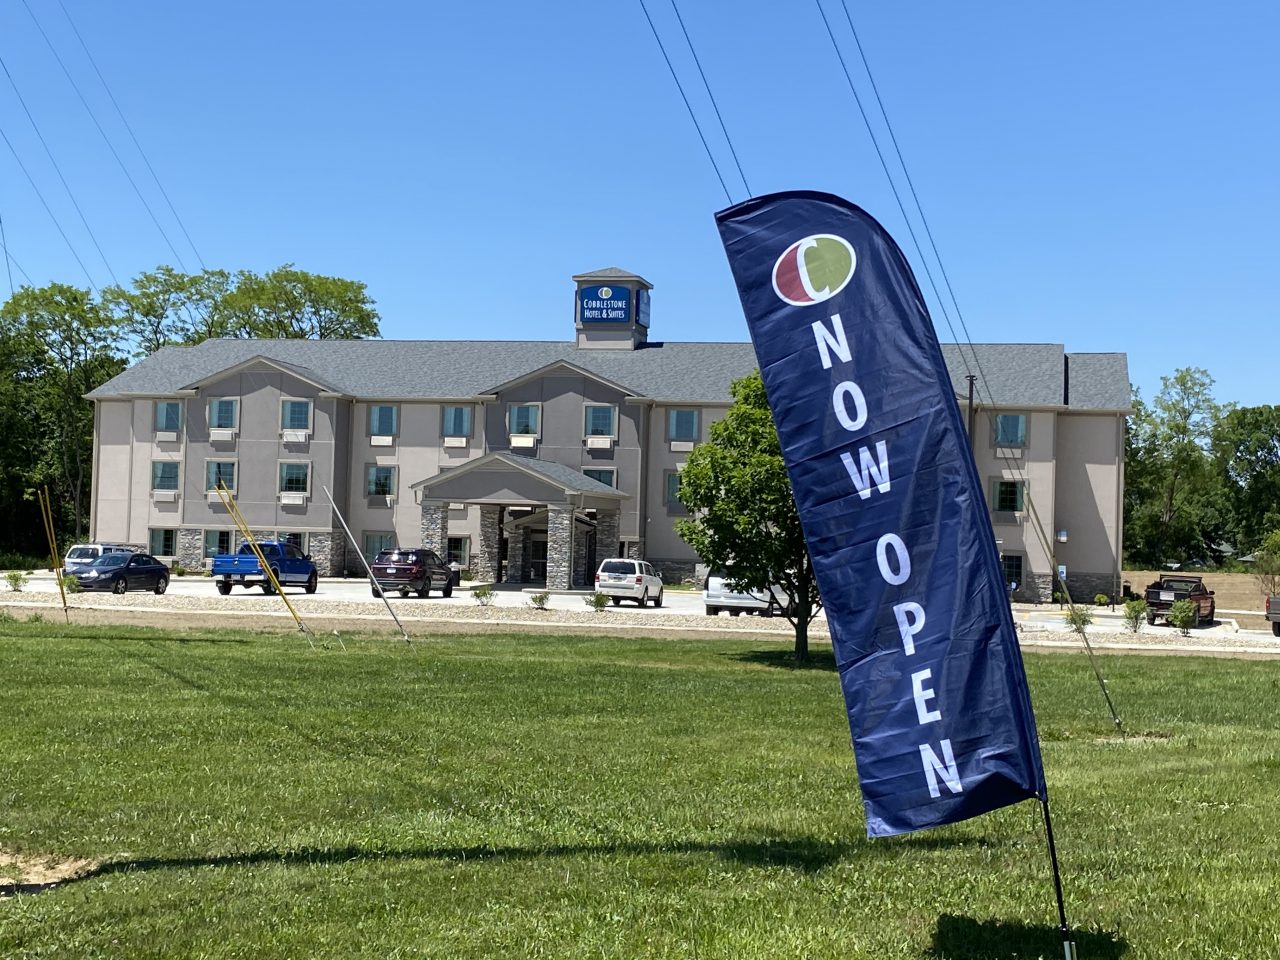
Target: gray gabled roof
[[566, 478], [432, 369], [1012, 374], [1038, 374]]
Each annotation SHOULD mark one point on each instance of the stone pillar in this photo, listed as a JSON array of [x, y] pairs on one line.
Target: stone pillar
[[435, 526], [635, 550], [484, 556], [515, 555], [190, 548], [607, 526], [579, 574], [559, 547], [327, 552]]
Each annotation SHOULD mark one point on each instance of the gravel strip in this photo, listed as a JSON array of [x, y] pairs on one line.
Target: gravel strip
[[261, 612]]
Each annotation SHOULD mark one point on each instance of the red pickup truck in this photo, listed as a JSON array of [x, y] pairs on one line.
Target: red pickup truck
[[1172, 587]]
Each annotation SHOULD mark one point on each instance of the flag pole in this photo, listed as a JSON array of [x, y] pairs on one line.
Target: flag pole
[[1068, 946]]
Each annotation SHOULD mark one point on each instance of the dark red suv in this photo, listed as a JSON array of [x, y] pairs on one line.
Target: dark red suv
[[416, 568]]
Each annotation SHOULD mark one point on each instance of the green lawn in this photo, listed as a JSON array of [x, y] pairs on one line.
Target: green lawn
[[567, 797]]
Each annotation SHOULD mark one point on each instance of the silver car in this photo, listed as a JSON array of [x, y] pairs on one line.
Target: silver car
[[718, 595]]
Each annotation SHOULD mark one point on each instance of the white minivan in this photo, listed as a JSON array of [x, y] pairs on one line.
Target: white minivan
[[717, 595], [636, 580], [83, 554]]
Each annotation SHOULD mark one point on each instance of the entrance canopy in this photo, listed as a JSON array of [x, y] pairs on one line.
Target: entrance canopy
[[513, 480]]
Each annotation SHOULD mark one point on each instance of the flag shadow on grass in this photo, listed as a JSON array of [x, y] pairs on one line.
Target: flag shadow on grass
[[805, 854], [963, 938]]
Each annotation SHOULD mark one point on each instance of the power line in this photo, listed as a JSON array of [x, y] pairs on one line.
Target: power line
[[52, 216], [4, 245], [710, 95], [120, 113], [106, 139], [692, 116], [57, 169], [1010, 464]]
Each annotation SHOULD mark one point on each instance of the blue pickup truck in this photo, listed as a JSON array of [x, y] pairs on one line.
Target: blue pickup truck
[[289, 564]]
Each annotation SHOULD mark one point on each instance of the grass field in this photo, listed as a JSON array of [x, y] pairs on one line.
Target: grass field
[[243, 796]]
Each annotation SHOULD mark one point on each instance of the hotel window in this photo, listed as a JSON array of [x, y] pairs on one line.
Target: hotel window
[[295, 415], [163, 543], [296, 540], [384, 420], [164, 474], [458, 551], [380, 481], [682, 425], [216, 541], [600, 421], [295, 477], [607, 477], [457, 421], [376, 542], [1011, 430], [523, 419], [671, 492], [1009, 496], [220, 471], [1011, 563], [168, 416], [224, 414]]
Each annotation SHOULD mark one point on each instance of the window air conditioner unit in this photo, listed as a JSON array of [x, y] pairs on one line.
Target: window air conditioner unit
[[212, 496], [681, 446], [294, 436], [166, 436], [523, 440], [164, 496], [599, 443], [457, 442], [381, 441], [293, 499], [218, 435]]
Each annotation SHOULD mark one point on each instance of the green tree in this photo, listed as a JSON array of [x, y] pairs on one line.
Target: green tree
[[1174, 502], [1246, 445], [165, 306], [70, 344], [1266, 566], [288, 302], [744, 517]]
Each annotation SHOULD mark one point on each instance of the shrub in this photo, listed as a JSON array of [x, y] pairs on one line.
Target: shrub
[[10, 560], [483, 594], [70, 583], [596, 601], [1135, 611], [36, 617], [1182, 615], [7, 617], [17, 580], [466, 574], [178, 570], [1078, 618], [539, 600], [1101, 599]]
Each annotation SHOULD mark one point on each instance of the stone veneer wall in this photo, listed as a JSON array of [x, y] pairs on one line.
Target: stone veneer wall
[[328, 552], [484, 553], [607, 526], [560, 552], [516, 555], [435, 527], [190, 548], [675, 571]]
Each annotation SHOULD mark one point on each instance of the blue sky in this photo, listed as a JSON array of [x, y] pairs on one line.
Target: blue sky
[[1101, 175]]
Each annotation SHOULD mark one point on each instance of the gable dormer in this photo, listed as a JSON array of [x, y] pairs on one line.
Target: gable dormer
[[611, 309]]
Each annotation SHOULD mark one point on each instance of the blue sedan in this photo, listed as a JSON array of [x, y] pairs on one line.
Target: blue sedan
[[122, 572]]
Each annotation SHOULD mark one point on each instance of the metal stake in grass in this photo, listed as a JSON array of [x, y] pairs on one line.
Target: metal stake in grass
[[372, 579]]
